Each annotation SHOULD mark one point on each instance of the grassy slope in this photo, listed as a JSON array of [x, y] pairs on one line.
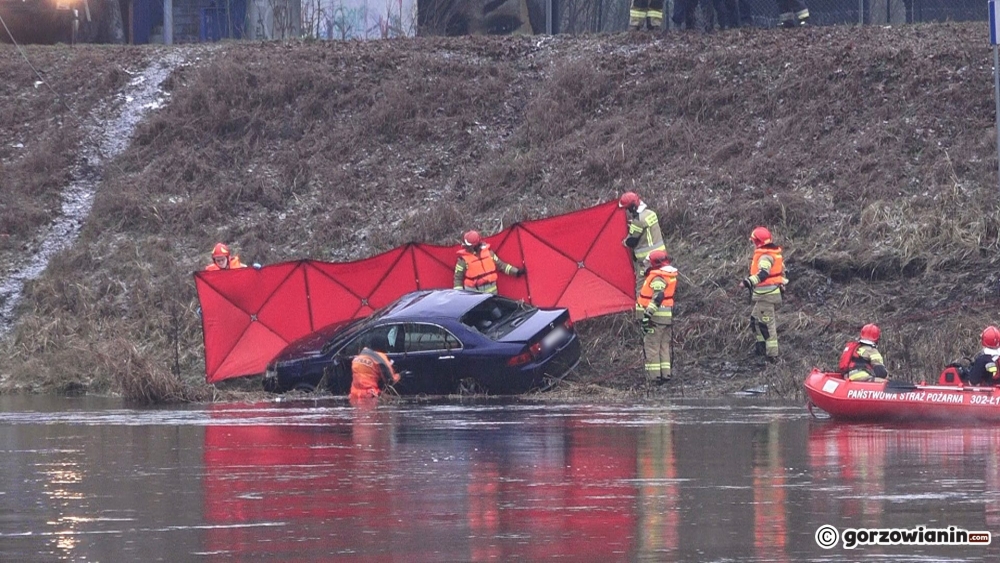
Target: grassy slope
[[869, 152]]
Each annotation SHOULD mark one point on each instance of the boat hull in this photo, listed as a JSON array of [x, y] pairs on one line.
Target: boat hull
[[877, 401]]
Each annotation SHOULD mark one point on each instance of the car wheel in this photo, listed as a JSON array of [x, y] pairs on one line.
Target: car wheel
[[304, 387], [471, 386]]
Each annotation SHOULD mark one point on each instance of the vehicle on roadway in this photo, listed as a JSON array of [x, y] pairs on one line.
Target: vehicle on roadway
[[441, 342]]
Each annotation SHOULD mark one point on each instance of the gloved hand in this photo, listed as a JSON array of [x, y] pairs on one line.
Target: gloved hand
[[256, 266], [647, 325], [522, 271], [750, 281], [631, 242]]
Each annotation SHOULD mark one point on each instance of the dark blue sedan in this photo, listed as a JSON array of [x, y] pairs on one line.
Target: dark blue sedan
[[441, 342]]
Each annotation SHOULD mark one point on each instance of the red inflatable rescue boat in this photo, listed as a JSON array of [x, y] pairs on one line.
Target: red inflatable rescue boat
[[948, 399]]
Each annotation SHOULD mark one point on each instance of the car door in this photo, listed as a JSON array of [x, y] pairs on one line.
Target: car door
[[430, 355]]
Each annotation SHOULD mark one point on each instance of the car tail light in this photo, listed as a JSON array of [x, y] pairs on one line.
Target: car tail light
[[568, 324], [527, 356]]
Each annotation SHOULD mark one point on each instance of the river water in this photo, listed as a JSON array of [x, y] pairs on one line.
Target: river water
[[86, 479]]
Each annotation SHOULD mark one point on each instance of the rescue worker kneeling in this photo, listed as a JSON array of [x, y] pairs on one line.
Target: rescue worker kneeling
[[654, 306], [861, 360], [371, 371]]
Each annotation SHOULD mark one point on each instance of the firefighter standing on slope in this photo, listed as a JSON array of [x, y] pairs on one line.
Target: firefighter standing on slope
[[766, 283], [477, 266], [643, 13], [644, 234], [221, 259], [861, 360], [654, 306]]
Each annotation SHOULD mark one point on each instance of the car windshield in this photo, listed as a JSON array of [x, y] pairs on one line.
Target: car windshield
[[497, 316]]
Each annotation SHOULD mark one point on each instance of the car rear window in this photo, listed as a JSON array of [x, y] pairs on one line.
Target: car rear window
[[495, 317]]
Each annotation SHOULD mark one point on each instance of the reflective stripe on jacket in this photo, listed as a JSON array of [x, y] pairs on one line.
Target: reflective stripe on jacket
[[775, 273], [660, 280], [647, 227]]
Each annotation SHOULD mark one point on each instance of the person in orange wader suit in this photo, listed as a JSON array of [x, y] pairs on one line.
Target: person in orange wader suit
[[477, 266], [222, 260], [371, 371]]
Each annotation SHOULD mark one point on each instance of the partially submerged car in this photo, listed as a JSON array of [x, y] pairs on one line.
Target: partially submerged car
[[441, 342]]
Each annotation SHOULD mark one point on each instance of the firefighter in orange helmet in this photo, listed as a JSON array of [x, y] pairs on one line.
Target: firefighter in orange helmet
[[371, 370], [644, 234], [222, 260], [861, 360], [655, 305], [477, 265], [984, 368], [766, 284]]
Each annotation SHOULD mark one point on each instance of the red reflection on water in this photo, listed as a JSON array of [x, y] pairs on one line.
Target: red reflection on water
[[859, 455]]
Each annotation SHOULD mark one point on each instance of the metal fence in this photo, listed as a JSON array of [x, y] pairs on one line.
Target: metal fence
[[581, 16]]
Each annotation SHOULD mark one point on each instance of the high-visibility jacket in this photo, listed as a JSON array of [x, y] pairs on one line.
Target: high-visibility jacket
[[664, 281], [371, 371], [234, 264], [775, 274], [480, 268], [646, 227], [862, 360]]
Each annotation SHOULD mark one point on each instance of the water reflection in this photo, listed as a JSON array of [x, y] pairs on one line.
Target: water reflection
[[479, 482]]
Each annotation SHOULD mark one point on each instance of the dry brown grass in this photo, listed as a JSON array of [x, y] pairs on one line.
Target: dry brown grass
[[870, 155]]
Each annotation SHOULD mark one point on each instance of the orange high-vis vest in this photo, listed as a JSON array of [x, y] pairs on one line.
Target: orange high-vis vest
[[370, 372], [480, 269], [234, 264], [776, 275], [646, 293]]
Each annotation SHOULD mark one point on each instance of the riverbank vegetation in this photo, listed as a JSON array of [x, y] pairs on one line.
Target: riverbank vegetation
[[870, 153]]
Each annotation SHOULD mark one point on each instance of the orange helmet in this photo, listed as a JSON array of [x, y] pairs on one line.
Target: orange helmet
[[659, 258], [628, 200], [471, 238], [760, 236], [871, 333], [991, 337], [220, 250]]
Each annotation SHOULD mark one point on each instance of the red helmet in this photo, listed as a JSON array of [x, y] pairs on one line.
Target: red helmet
[[760, 236], [471, 238], [991, 337], [220, 250], [659, 258], [628, 200], [871, 333]]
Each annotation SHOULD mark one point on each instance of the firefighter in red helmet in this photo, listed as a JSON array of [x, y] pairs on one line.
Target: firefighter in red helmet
[[655, 305], [861, 360], [477, 265], [766, 284], [644, 234], [984, 368], [223, 260]]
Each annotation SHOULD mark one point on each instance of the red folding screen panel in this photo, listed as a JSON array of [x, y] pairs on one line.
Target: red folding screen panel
[[576, 261]]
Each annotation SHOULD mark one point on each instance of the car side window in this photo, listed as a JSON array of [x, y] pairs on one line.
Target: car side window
[[428, 337], [388, 337]]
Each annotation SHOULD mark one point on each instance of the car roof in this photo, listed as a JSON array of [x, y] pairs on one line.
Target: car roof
[[435, 303]]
